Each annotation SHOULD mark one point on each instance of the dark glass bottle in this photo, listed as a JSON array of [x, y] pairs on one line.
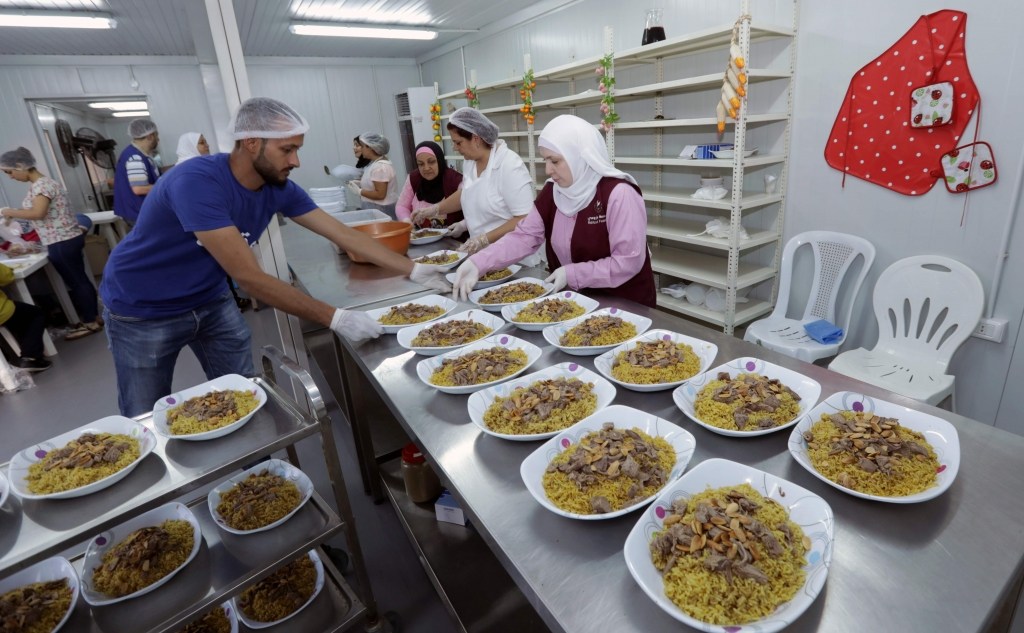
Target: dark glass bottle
[[654, 29]]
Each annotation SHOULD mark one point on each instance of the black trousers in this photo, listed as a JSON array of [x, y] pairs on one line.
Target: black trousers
[[27, 324]]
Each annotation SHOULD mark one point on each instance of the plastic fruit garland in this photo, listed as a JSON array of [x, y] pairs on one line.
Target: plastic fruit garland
[[734, 84], [606, 83], [474, 99], [526, 94], [435, 116]]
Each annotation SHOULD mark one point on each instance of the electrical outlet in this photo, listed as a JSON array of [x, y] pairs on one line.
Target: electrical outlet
[[990, 329]]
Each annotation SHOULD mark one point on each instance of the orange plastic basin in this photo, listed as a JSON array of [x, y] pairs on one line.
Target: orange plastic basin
[[394, 235]]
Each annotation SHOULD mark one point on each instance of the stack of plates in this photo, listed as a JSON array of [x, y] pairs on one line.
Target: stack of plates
[[330, 199]]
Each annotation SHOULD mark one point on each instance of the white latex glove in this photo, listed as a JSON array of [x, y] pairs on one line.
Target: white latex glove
[[429, 277], [355, 187], [475, 244], [558, 279], [424, 215], [355, 325], [457, 229], [465, 278]]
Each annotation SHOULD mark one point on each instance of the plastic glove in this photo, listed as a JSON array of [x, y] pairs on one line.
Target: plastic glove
[[457, 229], [475, 244], [558, 279], [465, 279], [429, 277], [355, 325], [424, 215], [355, 187]]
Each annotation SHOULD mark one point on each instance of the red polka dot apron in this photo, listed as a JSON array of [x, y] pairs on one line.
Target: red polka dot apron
[[882, 132]]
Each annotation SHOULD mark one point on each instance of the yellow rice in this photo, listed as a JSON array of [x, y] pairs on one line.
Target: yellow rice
[[512, 293], [433, 336], [532, 312], [498, 420], [438, 260], [213, 622], [283, 497], [42, 482], [280, 594], [179, 424], [633, 374], [444, 374], [612, 336], [719, 414], [495, 275], [125, 580], [395, 317], [49, 613]]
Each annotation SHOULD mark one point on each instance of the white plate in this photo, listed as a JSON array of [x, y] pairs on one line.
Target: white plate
[[17, 470], [480, 401], [443, 267], [536, 464], [408, 334], [106, 540], [729, 153], [474, 296], [276, 467], [229, 381], [429, 300], [510, 311], [939, 433], [806, 509], [229, 613], [5, 489], [807, 388], [553, 333], [425, 368], [487, 284], [44, 571], [252, 624], [705, 351], [430, 239]]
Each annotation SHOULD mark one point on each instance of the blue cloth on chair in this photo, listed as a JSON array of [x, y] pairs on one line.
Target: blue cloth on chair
[[824, 332]]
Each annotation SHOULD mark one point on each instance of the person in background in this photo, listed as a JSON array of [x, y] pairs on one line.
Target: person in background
[[46, 206], [378, 186], [163, 287], [190, 145], [591, 215], [136, 173], [25, 321], [357, 150], [432, 182], [497, 191]]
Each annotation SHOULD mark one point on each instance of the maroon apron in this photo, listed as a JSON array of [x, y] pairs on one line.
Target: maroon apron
[[590, 241]]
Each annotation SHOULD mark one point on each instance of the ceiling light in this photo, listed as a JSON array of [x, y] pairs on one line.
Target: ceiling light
[[135, 113], [380, 32], [48, 19], [120, 105]]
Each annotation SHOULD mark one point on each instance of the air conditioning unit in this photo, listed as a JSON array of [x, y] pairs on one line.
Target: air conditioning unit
[[414, 123]]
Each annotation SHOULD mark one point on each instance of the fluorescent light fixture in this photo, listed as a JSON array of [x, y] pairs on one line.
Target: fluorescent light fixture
[[120, 105], [50, 20], [134, 113], [380, 32]]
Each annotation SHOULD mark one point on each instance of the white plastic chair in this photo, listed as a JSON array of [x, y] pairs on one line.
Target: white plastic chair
[[833, 255], [926, 308]]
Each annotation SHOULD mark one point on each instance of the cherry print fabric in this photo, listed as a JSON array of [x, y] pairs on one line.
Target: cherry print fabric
[[872, 137]]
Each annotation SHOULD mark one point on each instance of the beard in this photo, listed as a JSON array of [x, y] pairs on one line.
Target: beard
[[267, 171]]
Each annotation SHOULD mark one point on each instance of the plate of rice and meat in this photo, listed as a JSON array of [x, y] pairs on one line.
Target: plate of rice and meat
[[82, 461], [492, 278], [40, 598], [422, 310], [140, 555], [727, 547], [426, 236], [261, 498], [282, 594], [210, 410], [509, 293], [747, 397], [443, 260], [478, 365], [541, 404], [876, 450], [656, 360], [220, 619], [597, 332], [611, 463], [538, 314], [450, 333]]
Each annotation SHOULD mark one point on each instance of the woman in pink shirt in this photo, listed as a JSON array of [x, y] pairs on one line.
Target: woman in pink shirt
[[431, 183], [591, 215]]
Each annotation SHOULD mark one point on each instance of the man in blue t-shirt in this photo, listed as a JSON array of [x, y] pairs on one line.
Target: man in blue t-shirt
[[163, 287], [136, 173]]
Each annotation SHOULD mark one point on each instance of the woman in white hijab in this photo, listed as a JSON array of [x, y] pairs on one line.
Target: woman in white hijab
[[190, 145], [591, 215]]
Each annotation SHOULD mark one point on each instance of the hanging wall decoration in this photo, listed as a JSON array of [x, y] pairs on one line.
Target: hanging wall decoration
[[474, 99], [435, 116], [734, 83], [606, 84], [526, 94]]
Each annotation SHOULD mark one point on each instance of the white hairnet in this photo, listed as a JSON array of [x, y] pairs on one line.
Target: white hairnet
[[188, 146], [376, 142], [473, 121], [19, 158], [139, 128], [263, 117]]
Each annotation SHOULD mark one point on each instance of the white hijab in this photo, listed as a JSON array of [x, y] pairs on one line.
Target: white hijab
[[187, 146], [586, 153]]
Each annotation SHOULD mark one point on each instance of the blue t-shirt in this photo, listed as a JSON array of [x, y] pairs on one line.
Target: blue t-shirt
[[160, 269], [127, 203]]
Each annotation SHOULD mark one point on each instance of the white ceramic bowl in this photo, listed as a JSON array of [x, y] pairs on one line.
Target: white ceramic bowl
[[408, 334], [429, 300], [475, 296], [106, 540], [480, 401], [229, 381], [807, 388], [553, 333], [487, 284], [429, 239], [252, 624], [536, 464], [510, 311], [443, 267], [425, 368], [806, 509], [17, 470], [705, 351], [939, 433], [44, 571], [275, 467], [229, 612]]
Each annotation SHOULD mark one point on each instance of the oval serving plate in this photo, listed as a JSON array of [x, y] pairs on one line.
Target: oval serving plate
[[704, 350], [277, 467], [443, 267], [514, 268], [44, 571], [553, 333], [430, 300], [253, 624], [407, 335], [425, 368], [228, 381], [426, 239], [510, 311], [475, 296]]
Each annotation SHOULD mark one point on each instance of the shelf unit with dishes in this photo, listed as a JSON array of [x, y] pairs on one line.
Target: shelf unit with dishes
[[228, 563]]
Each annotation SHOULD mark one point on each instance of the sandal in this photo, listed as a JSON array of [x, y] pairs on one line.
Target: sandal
[[77, 332], [94, 327]]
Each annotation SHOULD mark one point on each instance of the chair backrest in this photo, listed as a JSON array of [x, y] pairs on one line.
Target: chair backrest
[[833, 255], [926, 307]]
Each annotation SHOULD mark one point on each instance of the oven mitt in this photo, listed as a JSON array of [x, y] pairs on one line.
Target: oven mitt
[[824, 332], [932, 105], [967, 167]]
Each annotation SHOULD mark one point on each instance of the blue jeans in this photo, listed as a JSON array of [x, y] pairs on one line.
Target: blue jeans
[[66, 257], [145, 350]]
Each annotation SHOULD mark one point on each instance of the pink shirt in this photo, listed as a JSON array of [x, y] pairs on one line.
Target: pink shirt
[[408, 202], [627, 230]]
